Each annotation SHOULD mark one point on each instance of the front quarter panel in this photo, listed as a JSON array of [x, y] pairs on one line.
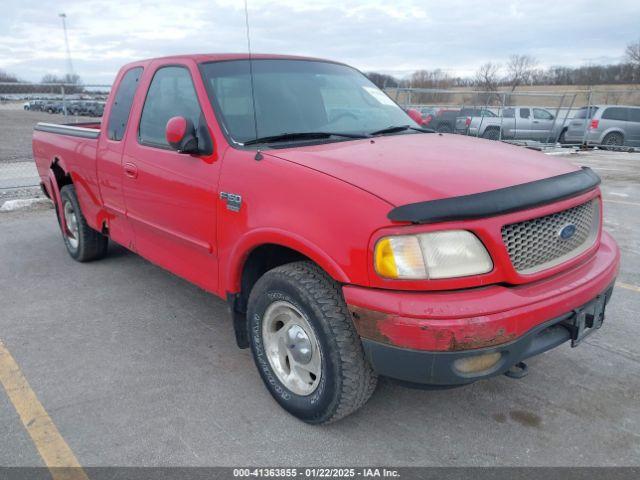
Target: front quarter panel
[[326, 219]]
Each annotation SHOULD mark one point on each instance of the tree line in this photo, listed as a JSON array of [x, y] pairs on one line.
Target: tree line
[[521, 70]]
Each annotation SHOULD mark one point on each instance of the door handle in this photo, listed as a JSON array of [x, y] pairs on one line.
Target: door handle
[[130, 170]]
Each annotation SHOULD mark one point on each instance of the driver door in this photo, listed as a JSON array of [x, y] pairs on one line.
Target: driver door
[[171, 197]]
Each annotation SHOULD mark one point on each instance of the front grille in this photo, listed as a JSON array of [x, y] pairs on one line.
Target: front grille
[[536, 244]]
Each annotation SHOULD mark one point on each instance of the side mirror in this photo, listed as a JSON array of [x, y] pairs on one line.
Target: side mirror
[[181, 135], [415, 116]]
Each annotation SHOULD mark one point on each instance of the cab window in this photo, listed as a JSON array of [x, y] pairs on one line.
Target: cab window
[[540, 114], [170, 94]]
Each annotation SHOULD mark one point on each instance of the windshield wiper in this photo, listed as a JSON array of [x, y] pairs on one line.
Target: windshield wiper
[[400, 128], [285, 137]]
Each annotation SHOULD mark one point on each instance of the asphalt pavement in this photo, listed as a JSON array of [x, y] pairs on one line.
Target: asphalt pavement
[[136, 367]]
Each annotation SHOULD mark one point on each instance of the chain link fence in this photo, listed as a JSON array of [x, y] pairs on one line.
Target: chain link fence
[[545, 118], [22, 105], [548, 117]]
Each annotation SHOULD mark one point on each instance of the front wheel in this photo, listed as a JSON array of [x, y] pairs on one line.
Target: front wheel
[[83, 243], [305, 346]]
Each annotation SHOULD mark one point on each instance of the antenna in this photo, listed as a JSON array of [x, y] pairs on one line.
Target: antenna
[[253, 94]]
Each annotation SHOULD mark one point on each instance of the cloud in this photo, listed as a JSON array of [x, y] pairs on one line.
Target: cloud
[[394, 36]]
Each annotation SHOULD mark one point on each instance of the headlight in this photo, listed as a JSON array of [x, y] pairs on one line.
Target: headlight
[[445, 254]]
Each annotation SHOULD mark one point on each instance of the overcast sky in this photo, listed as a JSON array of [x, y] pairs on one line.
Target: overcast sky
[[393, 36]]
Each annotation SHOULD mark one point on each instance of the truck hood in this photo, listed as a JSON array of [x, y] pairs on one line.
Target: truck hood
[[402, 169]]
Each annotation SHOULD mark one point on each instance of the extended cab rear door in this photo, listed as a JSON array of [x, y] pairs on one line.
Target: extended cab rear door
[[109, 155], [171, 197]]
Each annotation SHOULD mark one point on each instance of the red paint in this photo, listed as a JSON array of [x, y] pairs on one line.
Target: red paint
[[438, 320], [330, 203]]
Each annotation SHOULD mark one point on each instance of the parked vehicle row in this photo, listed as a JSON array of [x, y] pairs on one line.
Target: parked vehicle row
[[86, 108], [605, 125]]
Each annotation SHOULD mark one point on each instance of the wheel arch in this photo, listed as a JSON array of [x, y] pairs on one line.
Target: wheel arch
[[612, 130], [278, 239], [256, 254]]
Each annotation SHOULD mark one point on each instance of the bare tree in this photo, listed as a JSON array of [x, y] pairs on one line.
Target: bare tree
[[520, 69], [487, 77], [382, 80], [633, 53], [7, 77]]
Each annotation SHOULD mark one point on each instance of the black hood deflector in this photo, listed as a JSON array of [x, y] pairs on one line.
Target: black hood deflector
[[498, 202]]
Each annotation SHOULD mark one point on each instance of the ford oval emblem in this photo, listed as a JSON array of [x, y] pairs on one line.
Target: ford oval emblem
[[567, 231]]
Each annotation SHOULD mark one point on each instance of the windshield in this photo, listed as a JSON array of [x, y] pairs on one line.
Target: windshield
[[295, 96]]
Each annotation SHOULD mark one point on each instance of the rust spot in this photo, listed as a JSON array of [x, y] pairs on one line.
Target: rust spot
[[367, 323], [480, 341]]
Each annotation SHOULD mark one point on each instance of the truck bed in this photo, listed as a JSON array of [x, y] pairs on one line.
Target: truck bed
[[73, 147]]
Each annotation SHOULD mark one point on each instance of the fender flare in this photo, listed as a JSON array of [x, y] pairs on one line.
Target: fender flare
[[263, 236]]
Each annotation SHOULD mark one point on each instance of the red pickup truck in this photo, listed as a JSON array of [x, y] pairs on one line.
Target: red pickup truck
[[348, 242]]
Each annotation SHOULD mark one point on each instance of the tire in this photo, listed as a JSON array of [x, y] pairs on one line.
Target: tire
[[614, 139], [83, 243], [491, 134], [344, 380], [561, 138], [444, 128]]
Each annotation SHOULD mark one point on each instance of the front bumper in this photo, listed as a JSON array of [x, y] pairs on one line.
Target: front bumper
[[438, 368], [416, 336]]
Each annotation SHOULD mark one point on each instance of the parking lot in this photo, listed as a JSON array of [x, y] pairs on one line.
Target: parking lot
[[137, 367]]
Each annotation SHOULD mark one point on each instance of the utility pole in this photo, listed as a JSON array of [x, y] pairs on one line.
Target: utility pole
[[63, 16], [66, 42]]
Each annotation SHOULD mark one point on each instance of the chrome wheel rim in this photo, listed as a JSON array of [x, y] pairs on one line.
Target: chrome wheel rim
[[71, 224], [292, 348]]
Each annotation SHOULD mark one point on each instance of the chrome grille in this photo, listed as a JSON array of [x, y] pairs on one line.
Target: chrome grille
[[536, 244]]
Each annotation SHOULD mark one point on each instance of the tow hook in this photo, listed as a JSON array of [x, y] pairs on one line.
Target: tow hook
[[519, 370]]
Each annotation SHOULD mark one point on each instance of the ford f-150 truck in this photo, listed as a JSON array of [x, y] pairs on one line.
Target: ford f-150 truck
[[349, 242]]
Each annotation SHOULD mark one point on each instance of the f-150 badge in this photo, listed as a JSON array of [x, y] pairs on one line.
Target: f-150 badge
[[234, 201]]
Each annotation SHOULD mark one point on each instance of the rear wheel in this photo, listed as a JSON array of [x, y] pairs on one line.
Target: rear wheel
[[561, 138], [491, 134], [83, 243], [613, 140], [305, 346]]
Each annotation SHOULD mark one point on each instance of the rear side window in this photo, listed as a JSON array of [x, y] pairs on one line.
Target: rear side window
[[634, 115], [170, 94], [616, 113], [525, 113], [121, 107]]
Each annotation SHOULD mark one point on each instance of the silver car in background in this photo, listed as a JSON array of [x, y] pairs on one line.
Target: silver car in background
[[606, 125]]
